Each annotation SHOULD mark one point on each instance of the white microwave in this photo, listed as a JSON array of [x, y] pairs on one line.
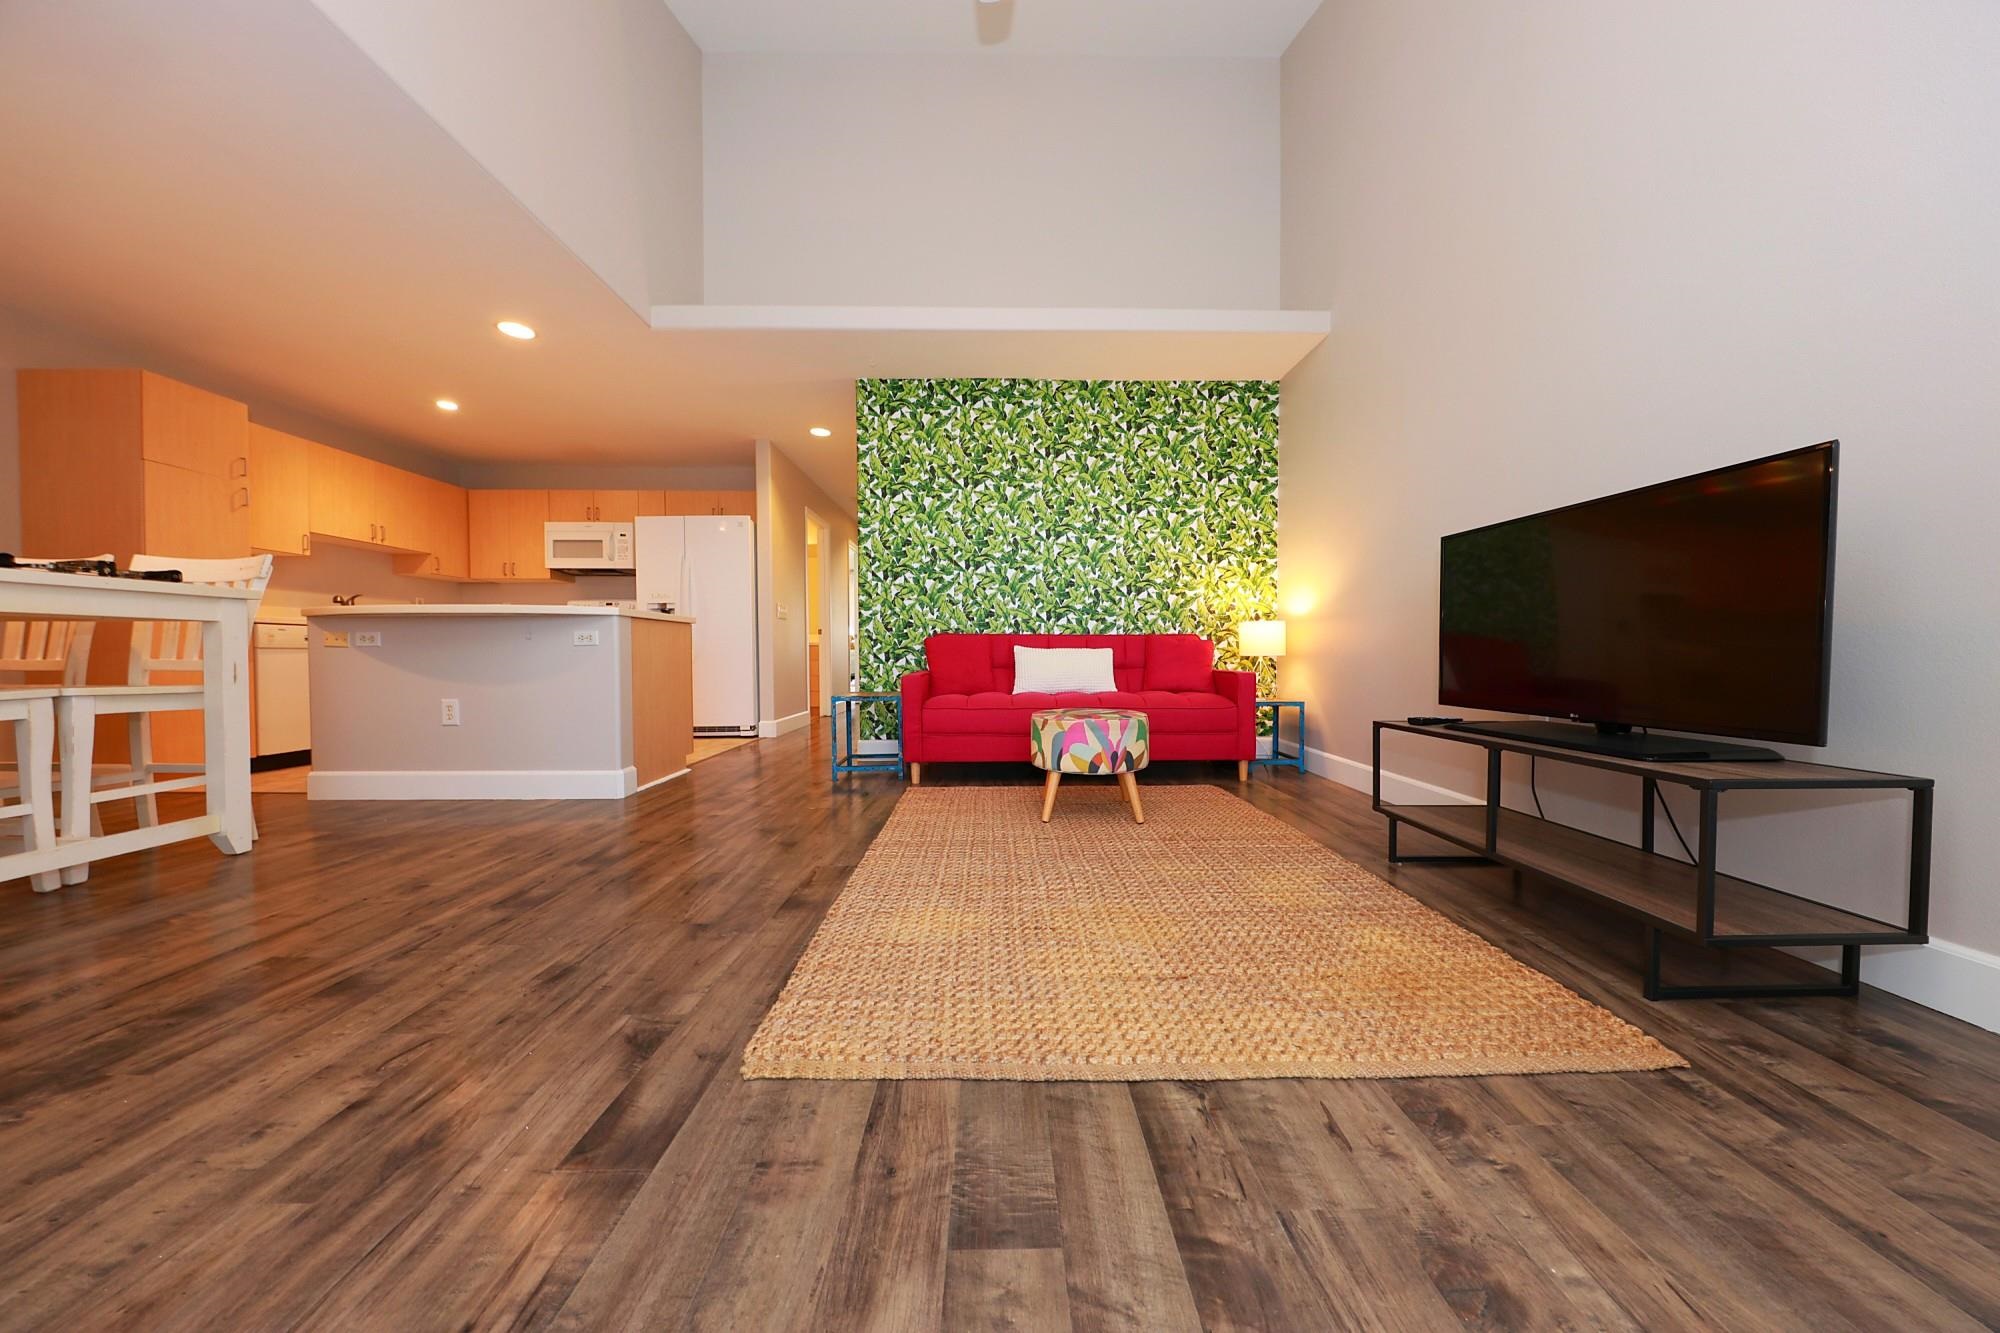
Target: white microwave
[[587, 548]]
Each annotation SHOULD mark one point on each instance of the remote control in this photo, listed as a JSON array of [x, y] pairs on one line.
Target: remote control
[[1433, 721]]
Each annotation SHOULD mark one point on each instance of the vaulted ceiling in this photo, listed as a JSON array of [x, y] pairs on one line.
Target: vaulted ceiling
[[234, 185]]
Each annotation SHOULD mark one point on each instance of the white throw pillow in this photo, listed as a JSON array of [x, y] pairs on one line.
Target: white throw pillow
[[1063, 670]]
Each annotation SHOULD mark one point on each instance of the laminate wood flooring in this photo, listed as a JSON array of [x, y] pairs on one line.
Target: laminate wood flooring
[[439, 1066]]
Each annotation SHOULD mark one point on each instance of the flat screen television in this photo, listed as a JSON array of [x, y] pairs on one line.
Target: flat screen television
[[1703, 604]]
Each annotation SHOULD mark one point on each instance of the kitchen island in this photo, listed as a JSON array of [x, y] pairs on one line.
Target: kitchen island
[[420, 702]]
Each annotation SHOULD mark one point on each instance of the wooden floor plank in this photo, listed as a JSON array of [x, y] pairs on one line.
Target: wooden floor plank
[[1124, 1270]]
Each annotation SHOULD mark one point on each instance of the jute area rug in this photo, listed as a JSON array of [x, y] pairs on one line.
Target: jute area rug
[[1212, 942]]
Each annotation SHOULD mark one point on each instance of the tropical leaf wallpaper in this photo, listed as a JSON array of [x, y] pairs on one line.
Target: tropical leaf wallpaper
[[1063, 506]]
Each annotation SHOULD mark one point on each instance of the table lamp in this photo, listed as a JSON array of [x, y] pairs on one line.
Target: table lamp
[[1261, 638]]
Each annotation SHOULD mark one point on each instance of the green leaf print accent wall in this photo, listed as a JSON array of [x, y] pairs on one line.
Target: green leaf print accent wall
[[1062, 506]]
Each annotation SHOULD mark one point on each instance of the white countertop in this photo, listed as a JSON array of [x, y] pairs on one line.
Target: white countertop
[[487, 609]]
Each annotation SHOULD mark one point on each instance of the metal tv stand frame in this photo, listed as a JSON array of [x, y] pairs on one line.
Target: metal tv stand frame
[[1621, 742], [1695, 901]]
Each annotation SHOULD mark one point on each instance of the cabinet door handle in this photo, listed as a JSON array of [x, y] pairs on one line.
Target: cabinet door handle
[[305, 543], [239, 467], [241, 499]]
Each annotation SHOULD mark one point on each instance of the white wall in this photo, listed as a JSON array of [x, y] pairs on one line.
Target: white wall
[[990, 181], [588, 111], [1573, 247]]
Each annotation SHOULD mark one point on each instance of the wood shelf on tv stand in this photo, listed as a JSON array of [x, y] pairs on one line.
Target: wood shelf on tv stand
[[1695, 901]]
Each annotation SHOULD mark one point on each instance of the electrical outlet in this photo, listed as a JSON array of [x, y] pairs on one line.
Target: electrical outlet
[[450, 718], [784, 612], [334, 638], [586, 638], [367, 638]]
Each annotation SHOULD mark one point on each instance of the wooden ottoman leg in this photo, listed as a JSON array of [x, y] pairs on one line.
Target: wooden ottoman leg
[[1049, 794], [1242, 770], [916, 775], [1131, 786]]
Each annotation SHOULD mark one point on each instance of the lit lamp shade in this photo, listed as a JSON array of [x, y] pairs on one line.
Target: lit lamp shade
[[1261, 638]]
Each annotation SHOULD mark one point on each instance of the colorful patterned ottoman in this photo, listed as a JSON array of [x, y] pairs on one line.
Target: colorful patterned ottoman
[[1089, 740]]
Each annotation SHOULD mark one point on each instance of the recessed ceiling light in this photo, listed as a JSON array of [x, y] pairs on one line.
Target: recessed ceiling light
[[447, 405], [514, 328], [821, 431]]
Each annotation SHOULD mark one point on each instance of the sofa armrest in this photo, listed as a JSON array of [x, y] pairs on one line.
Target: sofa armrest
[[1240, 688], [916, 693]]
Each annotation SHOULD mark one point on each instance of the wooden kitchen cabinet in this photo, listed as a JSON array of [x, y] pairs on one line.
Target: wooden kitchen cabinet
[[195, 514], [617, 506], [441, 532], [570, 506], [365, 503], [404, 504], [712, 502], [594, 506], [125, 462], [504, 535], [341, 494], [450, 554], [193, 429], [279, 514]]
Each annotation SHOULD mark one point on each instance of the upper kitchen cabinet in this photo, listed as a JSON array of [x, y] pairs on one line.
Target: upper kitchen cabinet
[[594, 506], [441, 531], [504, 534], [194, 514], [279, 513], [128, 461], [362, 502], [185, 427], [343, 495], [711, 502]]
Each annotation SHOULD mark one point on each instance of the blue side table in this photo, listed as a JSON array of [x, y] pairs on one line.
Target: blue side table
[[845, 760], [1278, 758]]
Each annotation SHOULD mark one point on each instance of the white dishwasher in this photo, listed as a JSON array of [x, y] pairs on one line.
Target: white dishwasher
[[283, 718]]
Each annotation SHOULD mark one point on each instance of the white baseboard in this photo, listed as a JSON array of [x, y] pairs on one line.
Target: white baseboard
[[1396, 789], [669, 777], [772, 727], [609, 784], [1950, 978]]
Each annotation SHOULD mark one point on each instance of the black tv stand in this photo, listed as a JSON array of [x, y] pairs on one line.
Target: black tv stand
[[1669, 895], [1624, 743]]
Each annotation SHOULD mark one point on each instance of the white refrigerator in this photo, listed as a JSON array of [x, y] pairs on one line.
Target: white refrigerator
[[705, 566]]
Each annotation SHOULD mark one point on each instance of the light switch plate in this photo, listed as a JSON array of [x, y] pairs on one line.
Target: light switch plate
[[334, 638]]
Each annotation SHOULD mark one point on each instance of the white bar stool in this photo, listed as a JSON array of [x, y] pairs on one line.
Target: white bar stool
[[31, 711]]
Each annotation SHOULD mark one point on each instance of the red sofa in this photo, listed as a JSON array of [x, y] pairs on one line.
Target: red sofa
[[964, 709]]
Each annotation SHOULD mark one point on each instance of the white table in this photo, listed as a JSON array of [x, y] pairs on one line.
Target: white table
[[224, 615]]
